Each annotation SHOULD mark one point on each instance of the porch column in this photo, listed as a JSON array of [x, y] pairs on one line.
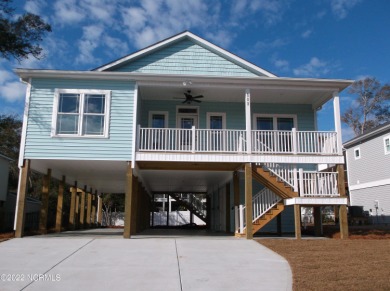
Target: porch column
[[337, 121], [45, 202], [317, 221], [297, 219], [60, 203], [248, 201], [100, 211], [89, 208], [21, 198], [72, 211], [82, 207], [343, 217], [228, 207], [128, 201], [248, 121]]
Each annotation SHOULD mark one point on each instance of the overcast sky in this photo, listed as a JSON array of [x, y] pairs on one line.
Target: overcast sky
[[338, 39]]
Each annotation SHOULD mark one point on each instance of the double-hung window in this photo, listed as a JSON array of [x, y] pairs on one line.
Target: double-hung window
[[81, 113]]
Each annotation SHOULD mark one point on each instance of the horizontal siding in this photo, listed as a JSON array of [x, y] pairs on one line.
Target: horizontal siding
[[288, 225], [185, 57], [366, 198], [118, 146], [235, 112], [373, 164]]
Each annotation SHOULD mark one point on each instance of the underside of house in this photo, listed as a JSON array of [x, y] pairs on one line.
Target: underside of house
[[183, 121]]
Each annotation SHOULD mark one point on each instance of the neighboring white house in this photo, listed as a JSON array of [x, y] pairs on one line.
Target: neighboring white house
[[368, 163]]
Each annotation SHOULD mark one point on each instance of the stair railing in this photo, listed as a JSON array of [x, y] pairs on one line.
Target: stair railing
[[262, 202], [285, 173]]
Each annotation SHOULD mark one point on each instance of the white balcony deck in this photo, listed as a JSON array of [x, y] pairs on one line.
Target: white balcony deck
[[174, 144]]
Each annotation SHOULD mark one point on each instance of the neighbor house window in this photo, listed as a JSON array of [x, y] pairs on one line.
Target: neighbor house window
[[387, 145], [81, 113], [357, 153]]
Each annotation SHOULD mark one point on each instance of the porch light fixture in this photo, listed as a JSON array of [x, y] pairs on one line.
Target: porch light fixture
[[187, 82]]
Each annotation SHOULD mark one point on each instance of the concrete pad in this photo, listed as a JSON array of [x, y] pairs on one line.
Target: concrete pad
[[95, 262], [231, 265]]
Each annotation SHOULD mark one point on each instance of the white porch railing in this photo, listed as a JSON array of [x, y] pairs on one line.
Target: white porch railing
[[262, 202], [318, 184], [286, 173], [235, 141], [294, 142], [191, 140]]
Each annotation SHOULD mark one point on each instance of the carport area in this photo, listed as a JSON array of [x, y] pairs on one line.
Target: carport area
[[101, 260]]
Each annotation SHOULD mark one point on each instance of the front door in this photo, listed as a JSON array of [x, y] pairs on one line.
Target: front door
[[184, 138]]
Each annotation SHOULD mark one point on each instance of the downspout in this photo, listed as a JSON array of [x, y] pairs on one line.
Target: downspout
[[23, 142]]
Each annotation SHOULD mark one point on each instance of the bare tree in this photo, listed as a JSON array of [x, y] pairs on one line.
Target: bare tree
[[373, 105]]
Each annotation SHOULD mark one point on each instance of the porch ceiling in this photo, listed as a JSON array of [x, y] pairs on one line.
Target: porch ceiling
[[288, 93]]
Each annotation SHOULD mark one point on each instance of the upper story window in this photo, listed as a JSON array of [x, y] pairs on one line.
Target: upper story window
[[356, 153], [81, 113], [158, 119], [275, 122], [386, 141]]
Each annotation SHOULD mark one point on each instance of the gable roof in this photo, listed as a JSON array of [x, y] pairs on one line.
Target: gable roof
[[196, 39], [377, 131]]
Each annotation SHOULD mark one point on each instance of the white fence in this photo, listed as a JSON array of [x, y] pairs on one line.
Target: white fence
[[235, 141]]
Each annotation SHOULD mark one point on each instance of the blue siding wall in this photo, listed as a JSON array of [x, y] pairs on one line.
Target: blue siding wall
[[185, 57], [235, 112], [39, 143]]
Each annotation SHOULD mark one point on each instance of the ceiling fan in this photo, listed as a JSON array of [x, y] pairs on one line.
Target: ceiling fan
[[188, 99]]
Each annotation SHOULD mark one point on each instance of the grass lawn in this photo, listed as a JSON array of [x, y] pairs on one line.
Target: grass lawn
[[359, 263]]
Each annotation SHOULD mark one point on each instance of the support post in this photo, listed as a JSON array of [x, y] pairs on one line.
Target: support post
[[193, 140], [72, 211], [77, 210], [337, 121], [82, 207], [228, 207], [94, 202], [89, 208], [317, 221], [128, 201], [297, 219], [21, 202], [248, 121], [45, 202], [301, 184], [248, 201], [294, 141], [60, 203], [100, 211], [343, 217]]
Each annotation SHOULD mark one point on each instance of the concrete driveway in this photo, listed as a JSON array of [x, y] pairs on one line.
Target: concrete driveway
[[102, 260]]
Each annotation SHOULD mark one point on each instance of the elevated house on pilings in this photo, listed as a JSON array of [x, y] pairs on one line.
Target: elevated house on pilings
[[184, 116]]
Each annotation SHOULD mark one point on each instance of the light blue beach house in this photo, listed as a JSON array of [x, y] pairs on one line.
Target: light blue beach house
[[183, 118]]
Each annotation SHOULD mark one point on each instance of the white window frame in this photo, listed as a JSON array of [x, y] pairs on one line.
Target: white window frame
[[222, 114], [180, 114], [387, 152], [355, 150], [275, 119], [165, 113], [82, 93]]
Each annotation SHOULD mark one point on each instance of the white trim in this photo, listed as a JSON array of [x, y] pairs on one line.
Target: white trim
[[166, 116], [370, 184], [209, 114], [198, 40], [248, 125], [25, 122], [354, 153], [135, 132], [82, 93], [275, 117], [337, 121], [237, 158], [316, 201], [387, 152]]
